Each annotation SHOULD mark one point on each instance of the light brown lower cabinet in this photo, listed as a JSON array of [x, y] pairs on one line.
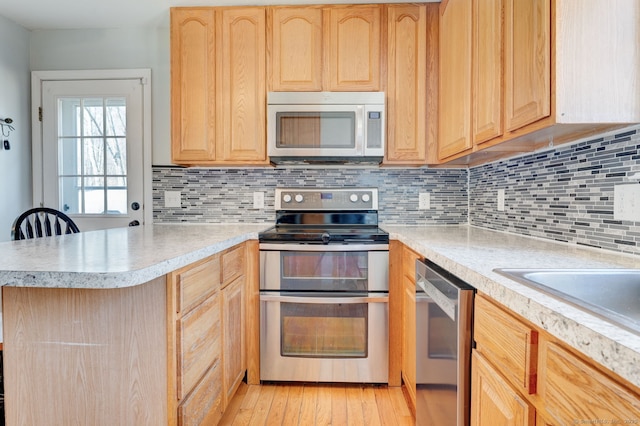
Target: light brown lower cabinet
[[521, 375], [233, 337], [206, 335], [494, 401], [409, 258]]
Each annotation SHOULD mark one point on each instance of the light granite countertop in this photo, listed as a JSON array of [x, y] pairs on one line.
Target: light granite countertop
[[473, 253], [125, 257], [113, 258]]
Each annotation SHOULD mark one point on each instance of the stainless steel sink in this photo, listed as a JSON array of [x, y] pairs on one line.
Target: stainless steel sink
[[610, 293]]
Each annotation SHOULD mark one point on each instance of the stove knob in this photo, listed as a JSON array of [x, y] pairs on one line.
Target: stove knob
[[353, 198], [326, 237], [286, 198], [299, 198], [365, 198]]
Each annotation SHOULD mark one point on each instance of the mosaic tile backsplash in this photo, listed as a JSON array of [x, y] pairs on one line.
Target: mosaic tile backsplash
[[564, 194], [226, 195]]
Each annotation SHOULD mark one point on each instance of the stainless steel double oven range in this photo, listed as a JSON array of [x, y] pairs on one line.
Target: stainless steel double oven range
[[324, 293]]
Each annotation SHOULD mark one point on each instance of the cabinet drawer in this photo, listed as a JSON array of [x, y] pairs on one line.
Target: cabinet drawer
[[573, 391], [232, 264], [204, 404], [507, 342], [409, 263], [197, 283], [198, 343]]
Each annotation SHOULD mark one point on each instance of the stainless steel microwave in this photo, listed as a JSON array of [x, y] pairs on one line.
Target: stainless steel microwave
[[326, 125]]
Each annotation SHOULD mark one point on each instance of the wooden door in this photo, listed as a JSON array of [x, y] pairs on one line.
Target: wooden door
[[527, 74], [454, 115], [352, 44], [241, 108], [406, 84], [493, 401], [296, 48], [487, 70], [192, 85], [233, 323]]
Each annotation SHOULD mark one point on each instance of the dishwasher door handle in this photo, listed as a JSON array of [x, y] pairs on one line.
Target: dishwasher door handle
[[447, 305]]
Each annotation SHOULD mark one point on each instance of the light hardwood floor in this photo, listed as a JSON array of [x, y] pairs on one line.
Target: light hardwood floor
[[317, 404]]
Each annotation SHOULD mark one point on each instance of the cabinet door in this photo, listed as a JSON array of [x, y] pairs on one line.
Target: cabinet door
[[203, 406], [233, 324], [241, 86], [406, 85], [198, 343], [573, 390], [352, 42], [487, 70], [296, 48], [493, 401], [527, 62], [454, 114], [510, 344], [409, 339], [192, 85]]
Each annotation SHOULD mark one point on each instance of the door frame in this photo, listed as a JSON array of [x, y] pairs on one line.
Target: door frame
[[37, 77]]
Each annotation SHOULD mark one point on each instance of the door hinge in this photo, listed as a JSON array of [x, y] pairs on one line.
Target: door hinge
[[40, 113]]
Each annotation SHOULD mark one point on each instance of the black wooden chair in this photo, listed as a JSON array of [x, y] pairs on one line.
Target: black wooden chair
[[42, 222]]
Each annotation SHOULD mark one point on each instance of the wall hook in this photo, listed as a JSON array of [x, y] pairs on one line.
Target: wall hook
[[7, 128]]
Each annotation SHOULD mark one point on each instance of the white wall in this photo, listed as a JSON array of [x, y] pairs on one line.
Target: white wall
[[115, 48], [15, 164]]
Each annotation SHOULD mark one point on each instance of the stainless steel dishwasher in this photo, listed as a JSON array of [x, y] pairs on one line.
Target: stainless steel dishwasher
[[444, 320]]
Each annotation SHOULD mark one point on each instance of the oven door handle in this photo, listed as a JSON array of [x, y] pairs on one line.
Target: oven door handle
[[324, 300]]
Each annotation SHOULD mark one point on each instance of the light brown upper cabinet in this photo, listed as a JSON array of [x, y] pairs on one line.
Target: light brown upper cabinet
[[193, 85], [332, 48], [487, 70], [539, 73], [409, 30], [527, 62], [218, 85], [454, 94], [296, 48], [353, 46]]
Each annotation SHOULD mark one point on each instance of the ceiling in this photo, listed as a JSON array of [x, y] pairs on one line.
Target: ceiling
[[102, 14]]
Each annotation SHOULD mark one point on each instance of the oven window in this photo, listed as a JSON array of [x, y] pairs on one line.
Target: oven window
[[335, 129], [324, 330], [324, 271]]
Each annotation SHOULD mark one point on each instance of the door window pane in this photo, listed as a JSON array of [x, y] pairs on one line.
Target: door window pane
[[92, 168]]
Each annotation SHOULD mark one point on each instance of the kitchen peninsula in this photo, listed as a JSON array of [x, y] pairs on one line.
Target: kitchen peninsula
[[86, 320], [85, 315]]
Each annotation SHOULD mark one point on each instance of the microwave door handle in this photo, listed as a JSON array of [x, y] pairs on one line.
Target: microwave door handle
[[360, 128]]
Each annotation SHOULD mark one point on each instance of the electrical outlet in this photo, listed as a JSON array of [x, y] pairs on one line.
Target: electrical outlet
[[172, 199], [258, 200], [626, 202], [501, 199], [424, 201]]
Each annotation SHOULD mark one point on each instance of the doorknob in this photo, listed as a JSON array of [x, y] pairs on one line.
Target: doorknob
[[134, 223], [135, 206]]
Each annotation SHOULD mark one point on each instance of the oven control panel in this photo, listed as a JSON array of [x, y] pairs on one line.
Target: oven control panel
[[326, 199]]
